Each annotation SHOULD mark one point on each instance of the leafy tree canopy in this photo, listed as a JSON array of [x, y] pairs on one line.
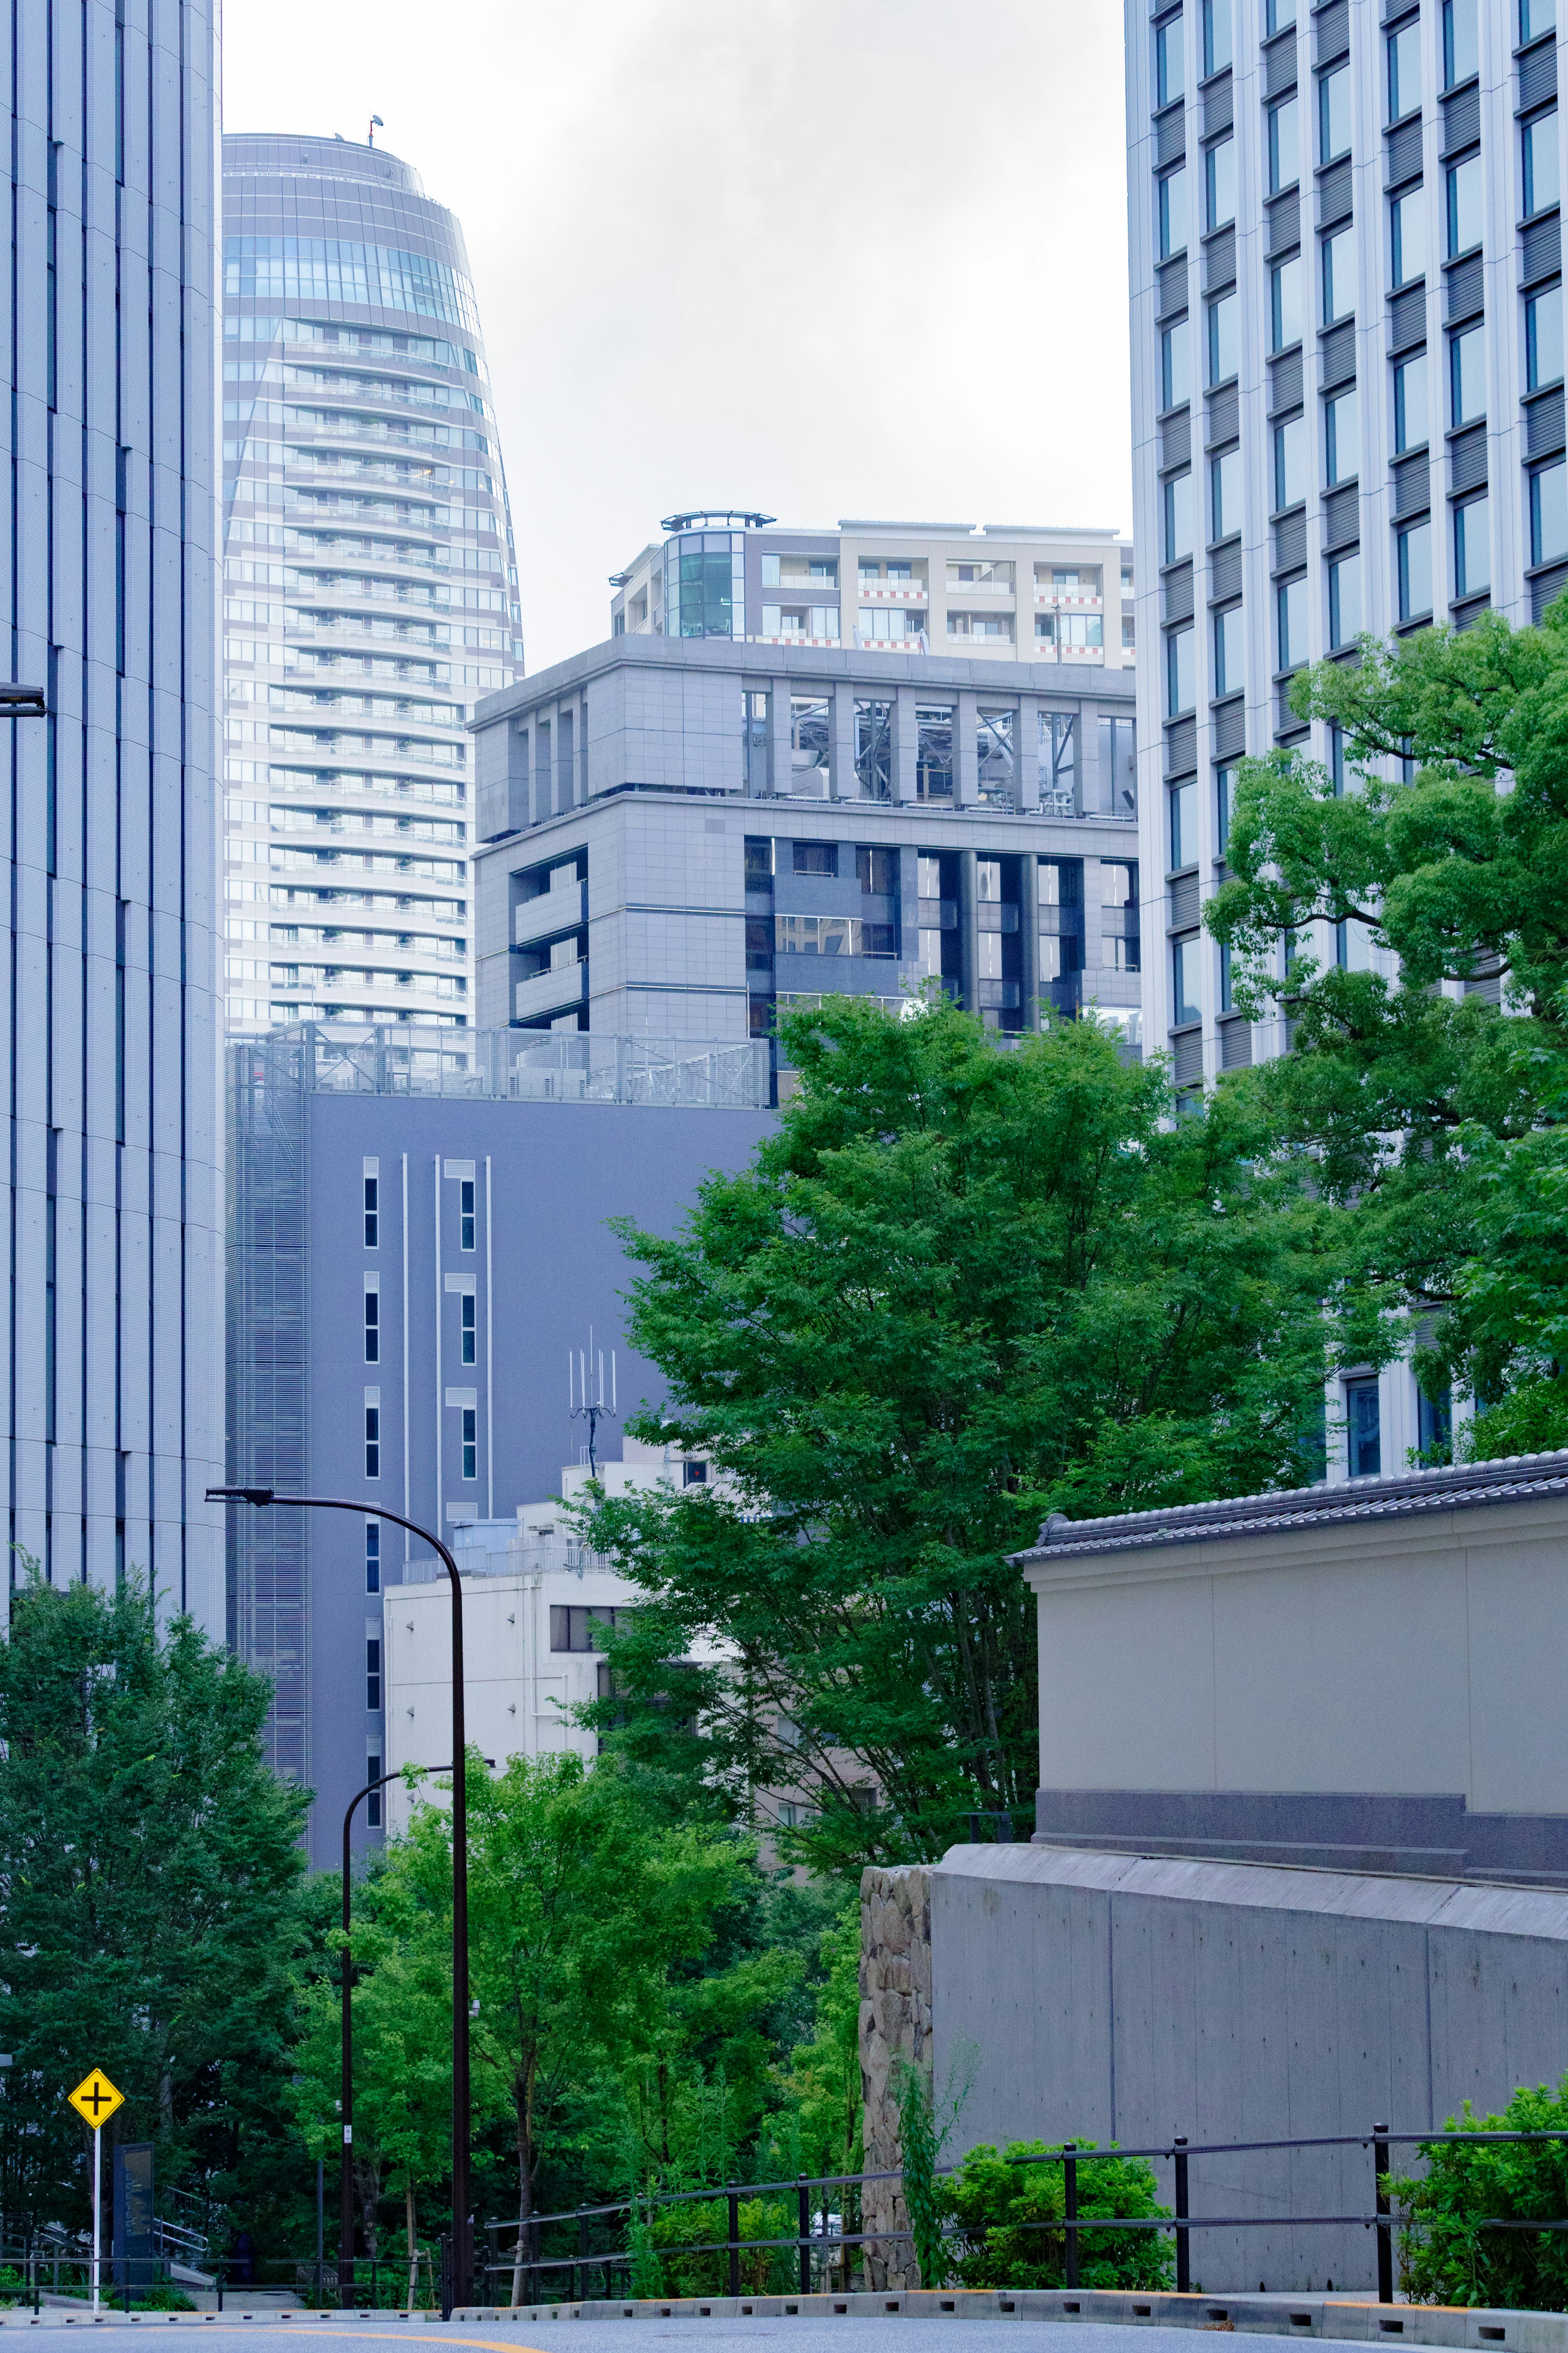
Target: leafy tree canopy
[[958, 1289], [1435, 1114], [150, 1875]]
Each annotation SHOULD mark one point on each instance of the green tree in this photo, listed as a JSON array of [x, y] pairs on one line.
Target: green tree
[[151, 1872], [959, 1288], [582, 1911], [823, 2075], [1439, 1117]]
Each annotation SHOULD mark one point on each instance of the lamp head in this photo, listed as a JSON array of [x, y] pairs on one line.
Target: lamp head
[[258, 1495]]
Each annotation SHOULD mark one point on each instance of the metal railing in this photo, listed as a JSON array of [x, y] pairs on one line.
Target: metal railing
[[821, 2237]]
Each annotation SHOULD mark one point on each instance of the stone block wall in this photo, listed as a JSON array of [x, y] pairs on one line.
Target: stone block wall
[[895, 2023]]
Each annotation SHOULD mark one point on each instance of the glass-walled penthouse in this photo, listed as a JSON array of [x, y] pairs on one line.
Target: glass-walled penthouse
[[370, 586]]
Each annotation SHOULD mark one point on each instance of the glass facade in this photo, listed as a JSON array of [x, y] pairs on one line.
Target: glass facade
[[368, 586]]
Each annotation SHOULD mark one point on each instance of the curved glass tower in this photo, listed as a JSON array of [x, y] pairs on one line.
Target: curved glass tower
[[369, 586]]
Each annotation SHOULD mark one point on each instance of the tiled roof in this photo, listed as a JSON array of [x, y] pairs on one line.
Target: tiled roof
[[1464, 1485]]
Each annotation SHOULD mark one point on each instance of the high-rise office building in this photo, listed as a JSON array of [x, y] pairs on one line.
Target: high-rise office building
[[112, 1348], [370, 592], [1348, 414]]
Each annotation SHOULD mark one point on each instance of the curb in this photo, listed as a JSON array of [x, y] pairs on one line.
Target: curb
[[1339, 2319]]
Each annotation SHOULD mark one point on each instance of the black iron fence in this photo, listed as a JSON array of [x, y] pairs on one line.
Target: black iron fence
[[53, 2269], [553, 2257]]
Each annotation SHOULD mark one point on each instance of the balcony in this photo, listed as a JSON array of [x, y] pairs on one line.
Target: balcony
[[555, 991], [560, 909], [892, 592]]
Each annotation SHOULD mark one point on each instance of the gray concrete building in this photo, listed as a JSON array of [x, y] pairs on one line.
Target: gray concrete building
[[418, 1237], [1348, 414], [112, 1345], [683, 837], [370, 590]]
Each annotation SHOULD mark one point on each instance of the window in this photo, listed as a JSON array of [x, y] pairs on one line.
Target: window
[[979, 575], [470, 1441], [1535, 17], [1410, 421], [468, 1335], [372, 1802], [1337, 759], [876, 871], [1172, 213], [1334, 114], [934, 751], [1364, 1434], [815, 858], [1344, 600], [1216, 36], [1225, 493], [1223, 801], [465, 1213], [1544, 337], [1461, 41], [1229, 662], [1549, 514], [372, 1671], [1224, 339], [1178, 517], [571, 1625], [372, 1326], [1542, 179], [1184, 799], [1407, 237], [1433, 1421], [1284, 146], [1404, 70], [1464, 206], [1342, 440], [1285, 303], [1291, 601], [694, 1475], [1414, 571], [1219, 184], [1338, 276], [979, 625], [1129, 633], [372, 1212], [1176, 367], [1278, 15], [372, 1441], [373, 1555], [1472, 548], [1290, 454], [1170, 69], [1467, 376], [1180, 683], [1184, 1005]]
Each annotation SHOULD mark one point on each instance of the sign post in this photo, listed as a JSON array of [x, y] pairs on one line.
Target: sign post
[[95, 2099]]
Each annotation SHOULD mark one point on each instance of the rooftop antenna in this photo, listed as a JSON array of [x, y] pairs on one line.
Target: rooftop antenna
[[375, 124], [586, 1398]]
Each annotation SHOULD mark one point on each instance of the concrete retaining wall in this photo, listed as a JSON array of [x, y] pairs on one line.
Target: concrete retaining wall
[[1110, 1996]]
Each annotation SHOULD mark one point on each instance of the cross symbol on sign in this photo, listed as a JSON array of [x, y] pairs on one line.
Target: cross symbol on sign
[[96, 2098]]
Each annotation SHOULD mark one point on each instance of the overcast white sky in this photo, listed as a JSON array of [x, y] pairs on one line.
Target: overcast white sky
[[824, 257]]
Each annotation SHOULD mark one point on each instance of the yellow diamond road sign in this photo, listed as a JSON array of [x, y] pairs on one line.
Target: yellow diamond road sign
[[96, 2098]]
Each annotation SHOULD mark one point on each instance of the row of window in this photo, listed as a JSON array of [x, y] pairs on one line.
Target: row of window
[[1459, 33], [467, 1213], [468, 1442]]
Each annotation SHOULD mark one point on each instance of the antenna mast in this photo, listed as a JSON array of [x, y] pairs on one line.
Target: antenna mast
[[586, 1395]]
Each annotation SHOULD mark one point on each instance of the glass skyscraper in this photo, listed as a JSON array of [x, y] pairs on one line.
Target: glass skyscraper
[[111, 1355], [368, 586]]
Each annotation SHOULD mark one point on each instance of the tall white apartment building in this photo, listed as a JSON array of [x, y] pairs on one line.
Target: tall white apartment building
[[110, 1365], [1347, 412], [1006, 592], [369, 586]]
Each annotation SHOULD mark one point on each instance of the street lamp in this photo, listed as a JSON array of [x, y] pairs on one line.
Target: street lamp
[[462, 2252]]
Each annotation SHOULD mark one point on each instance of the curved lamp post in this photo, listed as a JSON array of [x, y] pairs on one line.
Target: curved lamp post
[[462, 2248]]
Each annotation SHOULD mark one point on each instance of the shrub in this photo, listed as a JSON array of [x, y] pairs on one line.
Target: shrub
[[1446, 2253], [684, 2261], [1010, 2220]]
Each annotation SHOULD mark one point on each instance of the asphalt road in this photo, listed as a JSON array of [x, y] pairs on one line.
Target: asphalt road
[[804, 2334]]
